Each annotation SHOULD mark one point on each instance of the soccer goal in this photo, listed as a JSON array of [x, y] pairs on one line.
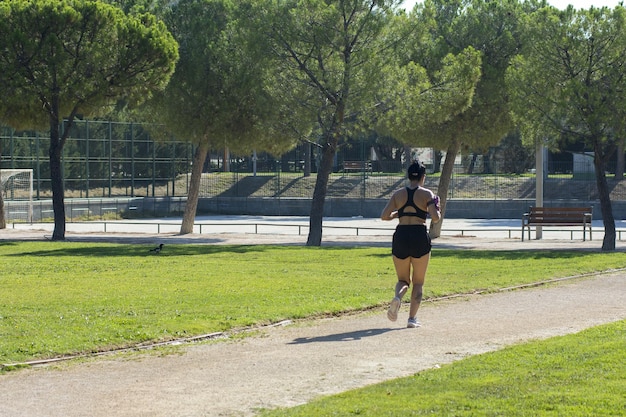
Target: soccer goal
[[16, 186]]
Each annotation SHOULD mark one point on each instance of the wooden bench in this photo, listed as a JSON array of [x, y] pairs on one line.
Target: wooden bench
[[558, 216], [360, 166]]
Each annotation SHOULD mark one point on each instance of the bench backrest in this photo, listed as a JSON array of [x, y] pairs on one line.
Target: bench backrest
[[356, 164], [558, 214]]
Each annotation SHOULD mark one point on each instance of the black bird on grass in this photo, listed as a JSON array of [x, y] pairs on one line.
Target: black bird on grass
[[158, 249]]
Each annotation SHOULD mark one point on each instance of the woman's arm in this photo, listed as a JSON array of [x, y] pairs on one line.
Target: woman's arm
[[434, 210], [390, 212]]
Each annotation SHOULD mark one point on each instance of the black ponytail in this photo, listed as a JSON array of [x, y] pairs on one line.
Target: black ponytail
[[416, 171]]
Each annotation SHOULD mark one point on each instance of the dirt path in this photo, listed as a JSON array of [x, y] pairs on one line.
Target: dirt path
[[289, 365]]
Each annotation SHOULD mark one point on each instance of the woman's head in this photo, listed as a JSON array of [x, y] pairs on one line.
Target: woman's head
[[416, 171]]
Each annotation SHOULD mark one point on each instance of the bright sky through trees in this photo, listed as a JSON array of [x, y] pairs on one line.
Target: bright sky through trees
[[560, 4]]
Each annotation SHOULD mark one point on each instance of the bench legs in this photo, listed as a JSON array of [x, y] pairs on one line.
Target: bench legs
[[584, 232], [585, 225]]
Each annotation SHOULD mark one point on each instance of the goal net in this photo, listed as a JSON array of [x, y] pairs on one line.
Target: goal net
[[16, 186]]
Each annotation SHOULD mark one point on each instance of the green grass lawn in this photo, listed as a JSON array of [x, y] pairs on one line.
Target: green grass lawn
[[61, 298]]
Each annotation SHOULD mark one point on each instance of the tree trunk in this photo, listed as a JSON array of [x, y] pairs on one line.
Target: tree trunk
[[437, 161], [470, 168], [191, 207], [307, 158], [444, 186], [226, 164], [56, 175], [3, 222], [619, 167], [608, 244], [319, 194]]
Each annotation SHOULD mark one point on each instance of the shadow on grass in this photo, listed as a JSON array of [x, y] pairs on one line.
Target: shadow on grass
[[84, 249], [79, 249], [8, 243], [142, 250], [460, 254], [342, 337], [510, 255]]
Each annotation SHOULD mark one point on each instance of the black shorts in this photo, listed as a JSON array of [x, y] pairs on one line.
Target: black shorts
[[410, 240]]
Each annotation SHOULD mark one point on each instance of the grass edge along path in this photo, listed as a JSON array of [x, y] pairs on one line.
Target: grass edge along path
[[580, 374], [75, 299]]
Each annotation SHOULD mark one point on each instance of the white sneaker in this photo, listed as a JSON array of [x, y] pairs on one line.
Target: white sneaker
[[394, 307], [413, 323]]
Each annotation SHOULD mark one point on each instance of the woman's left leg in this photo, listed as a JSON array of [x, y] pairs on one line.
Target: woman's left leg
[[420, 265]]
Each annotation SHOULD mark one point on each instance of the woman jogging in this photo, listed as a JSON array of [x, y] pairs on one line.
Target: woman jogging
[[411, 242]]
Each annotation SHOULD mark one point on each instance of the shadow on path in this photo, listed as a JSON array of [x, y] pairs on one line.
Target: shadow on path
[[342, 337]]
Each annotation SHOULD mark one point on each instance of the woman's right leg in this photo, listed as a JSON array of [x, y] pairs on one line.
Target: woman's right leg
[[403, 271], [420, 265]]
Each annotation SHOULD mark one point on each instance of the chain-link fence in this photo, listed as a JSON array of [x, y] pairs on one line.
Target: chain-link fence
[[100, 159], [496, 187], [109, 159]]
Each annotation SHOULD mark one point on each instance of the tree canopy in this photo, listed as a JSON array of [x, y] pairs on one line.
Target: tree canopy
[[568, 85], [340, 60], [493, 29], [263, 74], [65, 58], [330, 55], [218, 94]]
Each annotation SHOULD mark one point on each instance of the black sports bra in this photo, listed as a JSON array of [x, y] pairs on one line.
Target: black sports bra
[[410, 203]]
